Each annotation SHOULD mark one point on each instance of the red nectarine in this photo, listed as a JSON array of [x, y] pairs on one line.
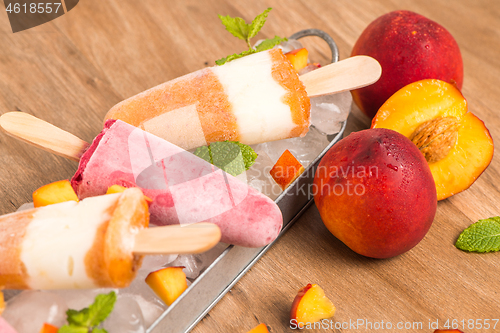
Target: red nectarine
[[409, 47], [375, 192]]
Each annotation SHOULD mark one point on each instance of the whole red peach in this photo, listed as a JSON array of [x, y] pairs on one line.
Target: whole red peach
[[409, 47], [375, 192]]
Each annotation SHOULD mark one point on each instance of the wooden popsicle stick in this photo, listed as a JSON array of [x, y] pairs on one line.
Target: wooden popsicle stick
[[42, 134], [177, 239], [348, 74]]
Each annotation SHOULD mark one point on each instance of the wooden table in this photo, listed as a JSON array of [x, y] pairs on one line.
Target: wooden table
[[72, 70]]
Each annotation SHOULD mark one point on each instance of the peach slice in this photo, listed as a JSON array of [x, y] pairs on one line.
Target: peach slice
[[433, 114], [2, 303], [115, 189], [49, 328], [261, 328], [310, 305], [286, 169], [298, 58], [119, 189], [53, 193], [168, 283]]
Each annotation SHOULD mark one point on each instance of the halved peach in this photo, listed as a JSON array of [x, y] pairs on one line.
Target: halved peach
[[49, 328], [286, 169], [298, 58], [433, 114], [261, 328], [310, 305], [168, 283], [53, 193]]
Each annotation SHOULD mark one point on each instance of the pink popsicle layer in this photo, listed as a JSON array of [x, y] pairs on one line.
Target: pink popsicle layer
[[184, 188]]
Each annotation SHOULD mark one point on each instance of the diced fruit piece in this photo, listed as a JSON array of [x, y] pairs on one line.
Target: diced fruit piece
[[448, 331], [286, 169], [115, 189], [262, 328], [48, 328], [311, 305], [53, 193], [409, 47], [2, 303], [168, 283], [375, 192], [433, 114], [119, 189], [298, 58]]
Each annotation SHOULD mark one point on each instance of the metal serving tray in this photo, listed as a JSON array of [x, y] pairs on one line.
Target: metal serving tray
[[235, 261], [208, 288]]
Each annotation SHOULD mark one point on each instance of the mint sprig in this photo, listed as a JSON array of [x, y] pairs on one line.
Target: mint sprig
[[482, 236], [245, 31], [88, 319], [231, 156]]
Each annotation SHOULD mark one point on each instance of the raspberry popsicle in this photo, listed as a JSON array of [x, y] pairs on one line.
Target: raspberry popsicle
[[254, 99], [73, 245], [184, 188]]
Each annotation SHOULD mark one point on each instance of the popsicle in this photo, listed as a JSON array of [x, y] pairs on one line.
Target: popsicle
[[73, 245], [98, 242], [184, 188], [254, 99]]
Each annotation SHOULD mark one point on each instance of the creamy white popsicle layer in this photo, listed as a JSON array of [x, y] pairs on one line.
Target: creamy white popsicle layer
[[185, 189], [255, 99], [73, 245]]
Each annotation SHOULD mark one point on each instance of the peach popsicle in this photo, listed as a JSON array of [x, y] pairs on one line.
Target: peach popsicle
[[98, 242], [254, 99], [184, 188], [73, 245]]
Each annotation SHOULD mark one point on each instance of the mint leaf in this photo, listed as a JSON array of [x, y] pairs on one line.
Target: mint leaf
[[99, 330], [236, 26], [268, 44], [78, 318], [239, 28], [101, 308], [233, 56], [204, 153], [231, 156], [227, 156], [482, 236], [258, 23], [87, 318], [249, 155], [73, 329]]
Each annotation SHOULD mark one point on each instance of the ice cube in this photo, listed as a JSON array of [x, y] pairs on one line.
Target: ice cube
[[154, 262], [78, 299], [140, 287], [126, 317], [26, 206], [330, 111], [304, 149], [193, 265], [151, 310], [258, 175], [290, 45], [28, 311]]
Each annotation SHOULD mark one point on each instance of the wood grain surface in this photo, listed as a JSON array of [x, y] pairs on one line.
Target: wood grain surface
[[72, 70]]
